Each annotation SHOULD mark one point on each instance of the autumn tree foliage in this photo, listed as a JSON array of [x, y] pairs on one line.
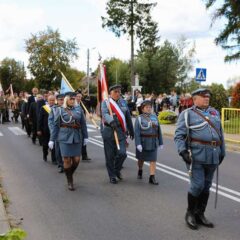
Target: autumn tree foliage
[[236, 96]]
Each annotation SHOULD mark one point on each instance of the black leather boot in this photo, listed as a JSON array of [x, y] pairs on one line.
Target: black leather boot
[[140, 172], [86, 158], [152, 180], [201, 207], [69, 173], [190, 214]]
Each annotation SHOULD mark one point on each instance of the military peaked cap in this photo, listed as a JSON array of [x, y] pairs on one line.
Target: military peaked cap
[[146, 102], [70, 94], [116, 86], [61, 95], [201, 91]]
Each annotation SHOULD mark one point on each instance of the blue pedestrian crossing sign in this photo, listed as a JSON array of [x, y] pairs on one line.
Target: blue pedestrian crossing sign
[[201, 74]]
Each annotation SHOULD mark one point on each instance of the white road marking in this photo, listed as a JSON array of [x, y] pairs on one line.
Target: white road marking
[[179, 174], [99, 136], [91, 130], [1, 134], [17, 131], [91, 126]]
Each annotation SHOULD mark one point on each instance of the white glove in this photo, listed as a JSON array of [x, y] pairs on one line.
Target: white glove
[[139, 148], [161, 146], [51, 144], [85, 141]]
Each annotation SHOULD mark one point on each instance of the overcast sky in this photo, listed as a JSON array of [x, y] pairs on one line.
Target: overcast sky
[[81, 19]]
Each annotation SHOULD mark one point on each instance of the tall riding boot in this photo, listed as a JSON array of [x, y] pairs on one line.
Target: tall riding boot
[[68, 172], [201, 207], [190, 214], [152, 180]]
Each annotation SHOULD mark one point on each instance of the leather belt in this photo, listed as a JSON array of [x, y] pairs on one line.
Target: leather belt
[[149, 135], [75, 126], [210, 143]]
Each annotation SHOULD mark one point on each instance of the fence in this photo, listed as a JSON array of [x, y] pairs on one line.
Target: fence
[[231, 124]]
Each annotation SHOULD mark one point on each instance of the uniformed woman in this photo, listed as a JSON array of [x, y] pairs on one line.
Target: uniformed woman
[[148, 138], [70, 131]]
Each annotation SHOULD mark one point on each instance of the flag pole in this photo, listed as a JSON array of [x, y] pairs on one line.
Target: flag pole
[[68, 83], [111, 114]]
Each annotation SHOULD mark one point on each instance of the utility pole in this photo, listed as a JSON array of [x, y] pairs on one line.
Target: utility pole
[[88, 70]]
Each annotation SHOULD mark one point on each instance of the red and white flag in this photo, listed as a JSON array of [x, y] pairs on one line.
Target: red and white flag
[[102, 83]]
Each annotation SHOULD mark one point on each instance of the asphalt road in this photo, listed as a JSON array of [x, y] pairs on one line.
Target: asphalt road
[[132, 209]]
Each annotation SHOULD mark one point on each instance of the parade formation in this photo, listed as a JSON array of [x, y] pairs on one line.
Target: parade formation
[[58, 121]]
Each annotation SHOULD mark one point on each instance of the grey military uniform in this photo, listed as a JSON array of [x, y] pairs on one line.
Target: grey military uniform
[[207, 146], [148, 134], [69, 129], [115, 158]]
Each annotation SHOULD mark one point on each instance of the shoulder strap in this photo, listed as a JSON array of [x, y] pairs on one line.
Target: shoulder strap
[[209, 122]]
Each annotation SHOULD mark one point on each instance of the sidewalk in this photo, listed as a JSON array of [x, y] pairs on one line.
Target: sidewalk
[[4, 223]]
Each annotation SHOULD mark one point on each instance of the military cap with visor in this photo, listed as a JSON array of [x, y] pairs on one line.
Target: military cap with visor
[[114, 87], [61, 95], [145, 103], [201, 92], [70, 94]]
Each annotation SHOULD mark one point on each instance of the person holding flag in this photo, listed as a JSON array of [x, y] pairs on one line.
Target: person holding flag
[[116, 119]]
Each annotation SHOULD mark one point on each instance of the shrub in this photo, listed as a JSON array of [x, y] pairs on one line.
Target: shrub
[[167, 117]]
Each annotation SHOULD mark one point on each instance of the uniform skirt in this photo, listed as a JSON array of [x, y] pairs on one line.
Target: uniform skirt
[[147, 155], [70, 150]]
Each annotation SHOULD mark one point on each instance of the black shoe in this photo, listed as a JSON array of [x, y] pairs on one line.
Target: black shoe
[[71, 187], [45, 158], [201, 219], [61, 170], [54, 162], [86, 158], [33, 141], [139, 176], [191, 220], [113, 180], [152, 180], [119, 176]]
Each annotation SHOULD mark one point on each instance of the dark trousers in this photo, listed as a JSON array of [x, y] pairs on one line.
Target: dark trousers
[[58, 155], [45, 152], [114, 157]]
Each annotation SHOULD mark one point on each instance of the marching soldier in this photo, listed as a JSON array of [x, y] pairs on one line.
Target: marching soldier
[[51, 119], [148, 137], [200, 142], [43, 129], [70, 130], [121, 123]]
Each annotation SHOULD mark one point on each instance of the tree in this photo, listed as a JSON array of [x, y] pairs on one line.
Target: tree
[[49, 54], [236, 96], [131, 17], [229, 37], [74, 76], [117, 72], [159, 72], [219, 98], [187, 60], [12, 72]]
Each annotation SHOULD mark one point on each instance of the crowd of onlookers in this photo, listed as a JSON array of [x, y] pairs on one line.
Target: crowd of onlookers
[[160, 102]]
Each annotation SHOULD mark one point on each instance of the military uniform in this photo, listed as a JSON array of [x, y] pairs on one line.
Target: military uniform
[[114, 157], [207, 147], [51, 119], [148, 134]]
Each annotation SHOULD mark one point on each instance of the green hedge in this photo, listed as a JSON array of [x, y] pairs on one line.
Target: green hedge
[[167, 117]]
